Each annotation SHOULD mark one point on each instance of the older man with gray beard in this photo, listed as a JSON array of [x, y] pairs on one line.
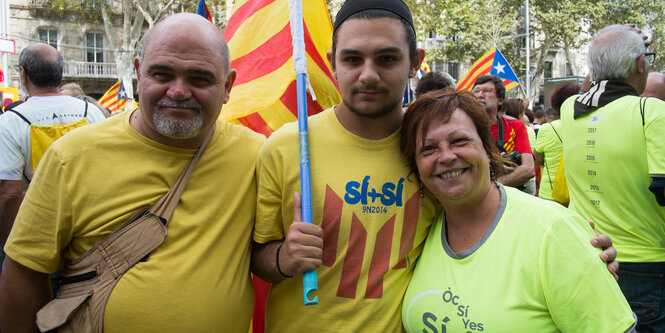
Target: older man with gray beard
[[95, 178]]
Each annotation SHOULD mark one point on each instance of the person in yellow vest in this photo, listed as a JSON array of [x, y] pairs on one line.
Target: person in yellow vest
[[28, 129]]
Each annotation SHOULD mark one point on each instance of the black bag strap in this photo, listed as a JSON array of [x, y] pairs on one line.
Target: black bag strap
[[643, 104], [20, 115], [557, 133], [85, 113], [549, 176], [500, 142]]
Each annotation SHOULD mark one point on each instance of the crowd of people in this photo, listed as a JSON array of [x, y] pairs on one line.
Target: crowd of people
[[423, 220]]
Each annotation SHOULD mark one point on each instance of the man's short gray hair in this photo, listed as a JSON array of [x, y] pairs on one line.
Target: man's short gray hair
[[612, 53]]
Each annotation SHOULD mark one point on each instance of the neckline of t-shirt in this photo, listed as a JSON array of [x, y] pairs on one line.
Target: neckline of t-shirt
[[466, 253], [139, 137], [367, 144]]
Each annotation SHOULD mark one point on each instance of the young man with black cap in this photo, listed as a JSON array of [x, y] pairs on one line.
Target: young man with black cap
[[370, 219]]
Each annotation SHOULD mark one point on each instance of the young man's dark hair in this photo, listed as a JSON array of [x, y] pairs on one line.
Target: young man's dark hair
[[42, 73], [433, 81]]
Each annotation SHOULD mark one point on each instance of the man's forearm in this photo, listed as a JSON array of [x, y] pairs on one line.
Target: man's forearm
[[520, 174], [264, 261], [22, 293], [10, 201]]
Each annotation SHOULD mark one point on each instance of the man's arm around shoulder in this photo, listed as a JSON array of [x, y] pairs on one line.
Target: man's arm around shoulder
[[11, 195], [23, 292]]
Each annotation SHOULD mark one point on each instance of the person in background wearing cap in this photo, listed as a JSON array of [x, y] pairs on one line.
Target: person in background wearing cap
[[370, 219]]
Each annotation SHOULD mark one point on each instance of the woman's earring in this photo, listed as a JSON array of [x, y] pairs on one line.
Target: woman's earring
[[421, 191], [492, 175]]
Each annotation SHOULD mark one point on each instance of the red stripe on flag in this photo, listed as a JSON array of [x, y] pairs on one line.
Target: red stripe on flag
[[265, 59], [242, 14], [314, 54], [290, 100], [255, 122], [471, 75]]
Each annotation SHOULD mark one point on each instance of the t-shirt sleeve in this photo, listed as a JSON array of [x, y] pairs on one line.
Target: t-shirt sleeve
[[94, 114], [581, 294], [269, 177], [543, 139], [43, 226], [12, 160], [521, 137]]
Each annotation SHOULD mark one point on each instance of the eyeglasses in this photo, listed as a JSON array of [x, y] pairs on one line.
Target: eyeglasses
[[651, 56], [484, 91]]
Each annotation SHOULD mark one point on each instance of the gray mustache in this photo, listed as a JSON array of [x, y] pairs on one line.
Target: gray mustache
[[187, 104]]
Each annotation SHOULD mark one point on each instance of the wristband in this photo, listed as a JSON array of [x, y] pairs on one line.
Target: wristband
[[279, 248]]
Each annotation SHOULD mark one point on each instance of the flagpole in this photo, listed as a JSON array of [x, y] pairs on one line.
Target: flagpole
[[300, 64]]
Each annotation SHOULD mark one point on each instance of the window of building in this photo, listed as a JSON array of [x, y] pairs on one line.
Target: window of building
[[453, 70], [548, 69], [94, 47], [48, 36]]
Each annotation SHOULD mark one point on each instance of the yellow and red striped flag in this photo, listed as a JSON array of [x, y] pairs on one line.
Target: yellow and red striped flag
[[259, 38], [491, 63], [110, 99]]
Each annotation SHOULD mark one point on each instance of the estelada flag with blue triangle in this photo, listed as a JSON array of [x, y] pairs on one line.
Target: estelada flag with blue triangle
[[491, 63], [202, 10]]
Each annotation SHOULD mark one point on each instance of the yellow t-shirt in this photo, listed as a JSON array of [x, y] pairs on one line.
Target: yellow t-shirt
[[91, 180], [549, 143], [610, 156], [373, 224]]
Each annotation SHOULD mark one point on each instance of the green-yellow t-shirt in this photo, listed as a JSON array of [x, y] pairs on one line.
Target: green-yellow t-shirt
[[533, 271], [609, 156], [374, 227], [93, 179], [549, 143]]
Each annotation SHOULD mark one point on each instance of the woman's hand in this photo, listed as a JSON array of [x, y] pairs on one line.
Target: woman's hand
[[609, 253]]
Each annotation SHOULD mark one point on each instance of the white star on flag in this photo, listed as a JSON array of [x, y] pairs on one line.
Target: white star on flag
[[499, 68]]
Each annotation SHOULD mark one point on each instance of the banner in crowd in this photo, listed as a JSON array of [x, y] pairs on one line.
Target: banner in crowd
[[491, 63], [259, 37]]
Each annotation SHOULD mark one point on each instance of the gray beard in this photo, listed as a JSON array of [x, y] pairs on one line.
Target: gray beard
[[177, 129]]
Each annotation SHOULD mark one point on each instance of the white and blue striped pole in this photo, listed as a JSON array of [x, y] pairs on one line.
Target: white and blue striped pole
[[302, 83]]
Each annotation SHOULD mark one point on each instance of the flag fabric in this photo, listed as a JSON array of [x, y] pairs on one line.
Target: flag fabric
[[424, 66], [202, 10], [2, 74], [491, 63], [115, 98], [259, 37]]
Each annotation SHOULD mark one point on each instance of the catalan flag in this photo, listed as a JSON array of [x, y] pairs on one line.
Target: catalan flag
[[115, 98], [260, 42], [424, 66], [491, 63], [202, 10]]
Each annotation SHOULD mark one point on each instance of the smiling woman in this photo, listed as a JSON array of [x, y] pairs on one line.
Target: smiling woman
[[549, 277]]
